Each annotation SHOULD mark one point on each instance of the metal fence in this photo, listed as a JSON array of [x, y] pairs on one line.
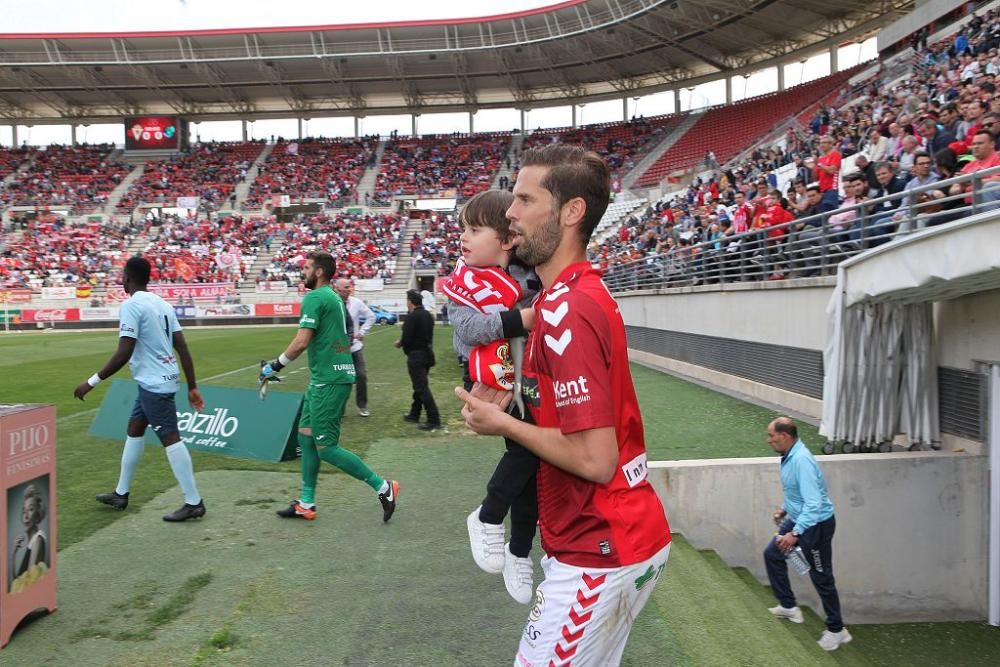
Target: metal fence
[[813, 245]]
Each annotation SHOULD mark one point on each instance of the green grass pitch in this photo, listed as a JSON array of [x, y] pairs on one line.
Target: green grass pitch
[[243, 588]]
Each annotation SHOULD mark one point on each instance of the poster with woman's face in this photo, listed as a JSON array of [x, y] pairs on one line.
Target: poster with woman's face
[[28, 533]]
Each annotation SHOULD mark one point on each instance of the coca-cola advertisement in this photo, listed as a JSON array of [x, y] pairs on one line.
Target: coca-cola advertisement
[[51, 315]]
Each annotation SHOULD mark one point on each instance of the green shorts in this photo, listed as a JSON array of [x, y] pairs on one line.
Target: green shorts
[[321, 412]]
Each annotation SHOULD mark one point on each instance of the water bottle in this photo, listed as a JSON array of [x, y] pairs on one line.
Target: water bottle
[[797, 558]]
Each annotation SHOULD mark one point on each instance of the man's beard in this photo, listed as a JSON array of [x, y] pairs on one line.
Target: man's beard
[[310, 282], [540, 247]]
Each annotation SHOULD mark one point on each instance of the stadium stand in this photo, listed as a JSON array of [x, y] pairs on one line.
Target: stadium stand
[[432, 165], [79, 178], [728, 129], [365, 246], [209, 171], [11, 160], [437, 245], [327, 169], [204, 250]]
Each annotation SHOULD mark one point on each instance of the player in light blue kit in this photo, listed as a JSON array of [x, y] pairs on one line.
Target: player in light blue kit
[[148, 335]]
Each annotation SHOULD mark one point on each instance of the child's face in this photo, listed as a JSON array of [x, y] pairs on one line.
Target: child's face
[[481, 247]]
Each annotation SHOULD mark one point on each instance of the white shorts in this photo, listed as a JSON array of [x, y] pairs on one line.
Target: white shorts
[[582, 616]]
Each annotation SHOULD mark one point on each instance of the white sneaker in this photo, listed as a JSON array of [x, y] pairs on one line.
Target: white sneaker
[[518, 576], [794, 614], [831, 641], [363, 412], [486, 541]]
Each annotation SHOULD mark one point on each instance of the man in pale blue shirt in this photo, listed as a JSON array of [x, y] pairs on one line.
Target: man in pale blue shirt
[[805, 520], [148, 335]]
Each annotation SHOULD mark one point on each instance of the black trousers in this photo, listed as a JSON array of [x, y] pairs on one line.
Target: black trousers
[[361, 384], [817, 544], [418, 366], [512, 489]]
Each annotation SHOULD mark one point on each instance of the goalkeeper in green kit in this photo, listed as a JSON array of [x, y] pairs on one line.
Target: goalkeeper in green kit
[[323, 331]]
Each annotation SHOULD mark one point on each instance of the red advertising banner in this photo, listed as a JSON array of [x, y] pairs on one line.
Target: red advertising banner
[[15, 295], [51, 315], [174, 292], [28, 507], [277, 309]]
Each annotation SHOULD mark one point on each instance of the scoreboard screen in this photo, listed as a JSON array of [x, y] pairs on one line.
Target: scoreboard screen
[[152, 132]]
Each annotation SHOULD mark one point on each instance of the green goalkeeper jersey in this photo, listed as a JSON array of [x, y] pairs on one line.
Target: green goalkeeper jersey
[[330, 360]]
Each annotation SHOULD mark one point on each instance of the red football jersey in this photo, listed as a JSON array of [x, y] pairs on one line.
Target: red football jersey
[[576, 378]]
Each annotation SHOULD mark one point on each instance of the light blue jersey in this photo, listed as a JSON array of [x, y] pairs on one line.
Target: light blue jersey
[[152, 322]]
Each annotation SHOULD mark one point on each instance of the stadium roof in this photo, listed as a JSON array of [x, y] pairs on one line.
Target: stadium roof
[[577, 50]]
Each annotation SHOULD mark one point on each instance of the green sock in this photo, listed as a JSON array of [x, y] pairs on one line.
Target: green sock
[[350, 463], [310, 468]]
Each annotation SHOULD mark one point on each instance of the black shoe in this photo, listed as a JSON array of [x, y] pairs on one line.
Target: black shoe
[[410, 418], [119, 502], [388, 500], [427, 426], [186, 512]]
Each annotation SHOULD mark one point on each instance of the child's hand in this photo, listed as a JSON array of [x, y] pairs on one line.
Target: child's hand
[[528, 318]]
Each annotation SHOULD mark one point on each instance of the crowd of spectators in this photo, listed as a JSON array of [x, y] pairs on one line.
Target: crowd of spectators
[[78, 179], [621, 144], [885, 138], [11, 160], [51, 252], [365, 246], [209, 171], [437, 245], [434, 165], [328, 169], [206, 250]]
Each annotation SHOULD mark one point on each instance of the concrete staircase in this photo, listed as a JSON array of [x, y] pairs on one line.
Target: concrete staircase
[[665, 144], [12, 176], [514, 155], [243, 188], [367, 183], [402, 278], [119, 192]]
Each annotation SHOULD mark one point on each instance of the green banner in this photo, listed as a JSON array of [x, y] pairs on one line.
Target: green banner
[[8, 314], [234, 422]]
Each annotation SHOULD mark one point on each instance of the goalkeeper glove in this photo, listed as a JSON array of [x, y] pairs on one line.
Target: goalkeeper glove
[[268, 373]]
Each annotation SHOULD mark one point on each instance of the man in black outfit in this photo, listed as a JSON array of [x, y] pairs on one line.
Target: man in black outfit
[[418, 344]]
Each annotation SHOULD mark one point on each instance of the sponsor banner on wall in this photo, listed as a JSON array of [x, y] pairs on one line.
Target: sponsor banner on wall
[[234, 422], [187, 202], [175, 292], [185, 312], [272, 287], [15, 295], [98, 313], [59, 292], [51, 315], [277, 309], [225, 310]]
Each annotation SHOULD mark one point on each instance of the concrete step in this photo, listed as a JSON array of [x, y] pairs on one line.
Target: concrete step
[[120, 190], [665, 144], [243, 188]]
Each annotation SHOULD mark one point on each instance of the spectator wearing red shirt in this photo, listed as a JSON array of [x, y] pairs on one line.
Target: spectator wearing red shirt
[[828, 164], [984, 156], [603, 527]]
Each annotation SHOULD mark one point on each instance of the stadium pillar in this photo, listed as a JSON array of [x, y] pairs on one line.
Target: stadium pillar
[[356, 122], [833, 59], [573, 107], [677, 101], [243, 123], [781, 77], [413, 124], [13, 130], [470, 122], [729, 90], [299, 121], [522, 122], [72, 134], [624, 108]]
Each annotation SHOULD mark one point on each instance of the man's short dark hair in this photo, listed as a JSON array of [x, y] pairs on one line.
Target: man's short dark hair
[[854, 176], [325, 262], [787, 426], [415, 297], [137, 269], [987, 133], [574, 172], [813, 187]]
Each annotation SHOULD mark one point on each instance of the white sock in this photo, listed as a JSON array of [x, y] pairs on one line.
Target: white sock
[[384, 488], [308, 506], [180, 463], [130, 461]]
